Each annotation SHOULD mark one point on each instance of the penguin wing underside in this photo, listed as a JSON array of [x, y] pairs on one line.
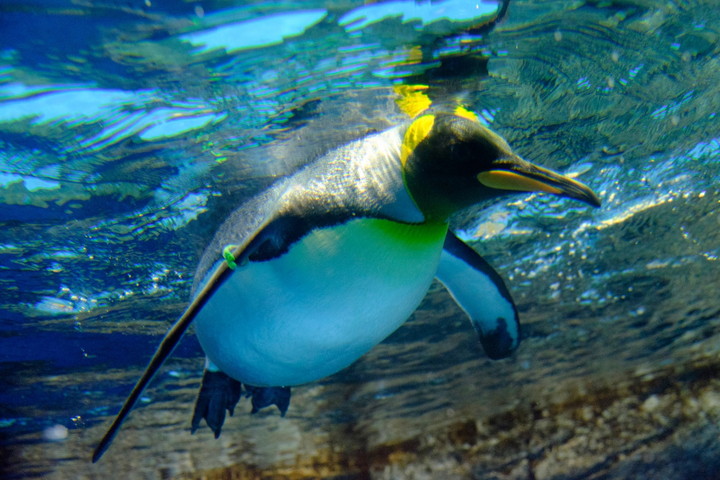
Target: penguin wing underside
[[480, 291]]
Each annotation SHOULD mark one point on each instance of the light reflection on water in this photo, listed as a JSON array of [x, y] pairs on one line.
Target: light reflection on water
[[119, 158]]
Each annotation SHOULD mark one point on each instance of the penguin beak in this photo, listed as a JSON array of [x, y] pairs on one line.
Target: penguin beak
[[520, 175]]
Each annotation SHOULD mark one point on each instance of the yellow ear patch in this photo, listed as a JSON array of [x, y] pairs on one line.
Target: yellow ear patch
[[505, 180], [412, 99], [416, 133]]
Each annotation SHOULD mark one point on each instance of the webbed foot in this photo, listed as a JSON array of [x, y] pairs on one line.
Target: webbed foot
[[266, 396], [218, 393]]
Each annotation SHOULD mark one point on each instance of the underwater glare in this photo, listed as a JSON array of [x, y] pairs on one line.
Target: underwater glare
[[129, 130]]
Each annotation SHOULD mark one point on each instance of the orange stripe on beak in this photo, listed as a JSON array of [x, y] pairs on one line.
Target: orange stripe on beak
[[506, 180]]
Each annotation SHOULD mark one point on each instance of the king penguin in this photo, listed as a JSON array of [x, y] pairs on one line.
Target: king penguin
[[306, 277]]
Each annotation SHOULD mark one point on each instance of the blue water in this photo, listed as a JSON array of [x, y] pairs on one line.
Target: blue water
[[128, 130]]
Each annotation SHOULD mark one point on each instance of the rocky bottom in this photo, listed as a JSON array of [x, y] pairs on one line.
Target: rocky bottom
[[664, 424]]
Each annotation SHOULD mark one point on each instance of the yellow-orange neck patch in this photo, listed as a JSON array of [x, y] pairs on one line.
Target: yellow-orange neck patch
[[416, 133]]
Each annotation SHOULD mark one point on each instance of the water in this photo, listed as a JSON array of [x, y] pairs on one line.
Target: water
[[129, 129]]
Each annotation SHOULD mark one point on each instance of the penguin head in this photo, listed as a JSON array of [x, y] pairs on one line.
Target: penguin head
[[452, 161]]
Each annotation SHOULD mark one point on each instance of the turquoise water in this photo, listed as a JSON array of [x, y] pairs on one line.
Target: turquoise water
[[128, 130]]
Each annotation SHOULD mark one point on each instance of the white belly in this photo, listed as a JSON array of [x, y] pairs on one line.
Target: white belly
[[318, 308]]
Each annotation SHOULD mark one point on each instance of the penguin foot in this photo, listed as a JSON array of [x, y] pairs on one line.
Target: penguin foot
[[266, 396], [218, 393]]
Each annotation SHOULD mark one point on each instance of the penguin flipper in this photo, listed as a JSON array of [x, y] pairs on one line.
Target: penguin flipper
[[218, 393], [171, 339], [163, 351], [478, 289], [266, 234]]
